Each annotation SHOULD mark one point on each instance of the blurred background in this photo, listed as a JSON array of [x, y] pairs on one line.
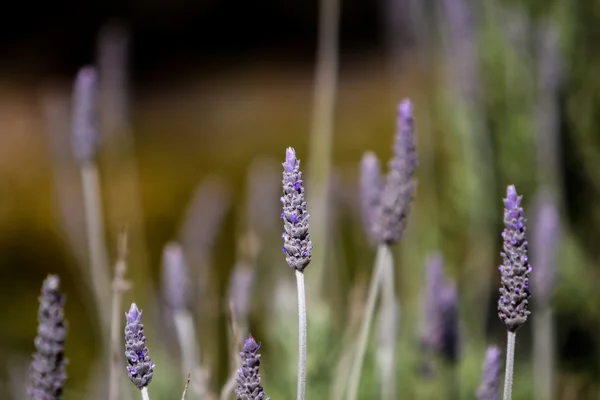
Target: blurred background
[[197, 101]]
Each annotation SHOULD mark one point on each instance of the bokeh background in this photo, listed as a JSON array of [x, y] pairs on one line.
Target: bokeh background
[[198, 101]]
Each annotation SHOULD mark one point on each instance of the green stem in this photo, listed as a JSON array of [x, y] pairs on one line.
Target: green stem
[[301, 336], [510, 365], [384, 257]]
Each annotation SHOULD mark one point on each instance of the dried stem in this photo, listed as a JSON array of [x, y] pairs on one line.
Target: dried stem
[[119, 286], [384, 258], [510, 365], [301, 335], [185, 389], [145, 395]]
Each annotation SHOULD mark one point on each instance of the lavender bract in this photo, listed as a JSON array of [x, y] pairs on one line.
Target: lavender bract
[[47, 371], [515, 269], [249, 385], [370, 192], [297, 245], [140, 368], [400, 185]]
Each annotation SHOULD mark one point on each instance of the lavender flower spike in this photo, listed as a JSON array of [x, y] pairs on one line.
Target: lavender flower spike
[[370, 192], [176, 282], [85, 135], [400, 185], [248, 380], [514, 292], [297, 245], [47, 370], [140, 368], [489, 389]]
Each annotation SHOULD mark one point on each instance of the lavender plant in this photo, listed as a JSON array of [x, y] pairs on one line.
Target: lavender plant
[[140, 367], [248, 381], [489, 389], [297, 248], [439, 329], [176, 288], [85, 144], [515, 270], [545, 240], [389, 214], [47, 371]]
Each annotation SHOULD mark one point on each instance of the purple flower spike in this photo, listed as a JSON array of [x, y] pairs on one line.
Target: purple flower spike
[[47, 371], [297, 244], [490, 379], [140, 368], [175, 277], [514, 292], [400, 185], [545, 238], [85, 135], [248, 380]]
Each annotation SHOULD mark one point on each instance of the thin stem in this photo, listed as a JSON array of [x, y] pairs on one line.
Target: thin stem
[[96, 244], [301, 336], [383, 258], [145, 395], [185, 389], [186, 336], [119, 286], [510, 365], [236, 334], [321, 132], [388, 325], [543, 352]]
